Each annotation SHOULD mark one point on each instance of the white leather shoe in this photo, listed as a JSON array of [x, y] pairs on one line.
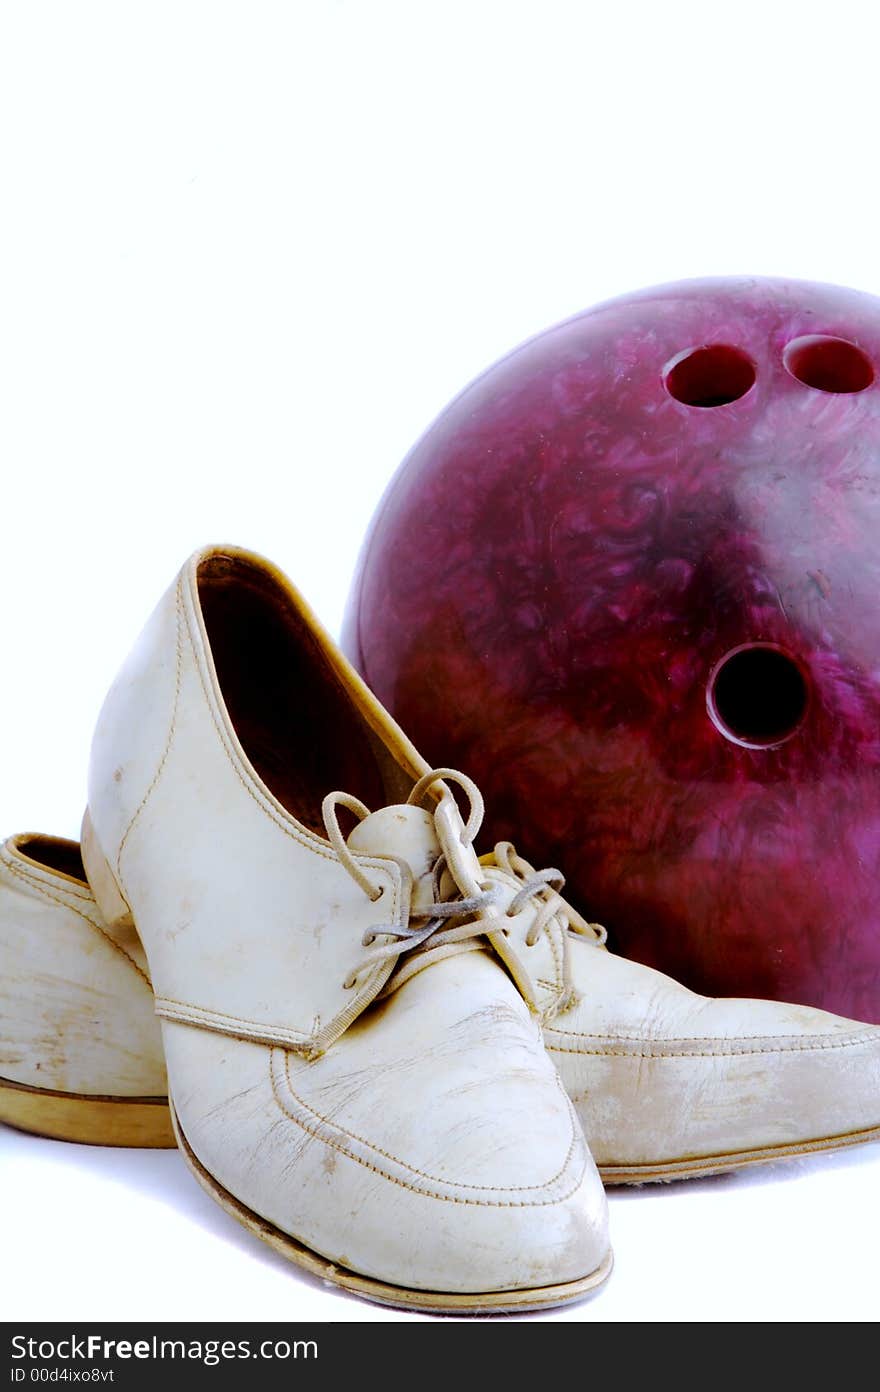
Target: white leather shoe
[[80, 1053], [358, 1083], [669, 1084], [659, 1099]]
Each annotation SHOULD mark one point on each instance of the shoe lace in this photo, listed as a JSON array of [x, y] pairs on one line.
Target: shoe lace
[[470, 908], [543, 888], [430, 926]]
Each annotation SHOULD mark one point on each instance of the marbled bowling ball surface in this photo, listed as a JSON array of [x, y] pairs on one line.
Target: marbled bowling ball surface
[[629, 581]]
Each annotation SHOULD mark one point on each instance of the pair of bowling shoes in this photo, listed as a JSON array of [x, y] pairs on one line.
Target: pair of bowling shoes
[[405, 1066]]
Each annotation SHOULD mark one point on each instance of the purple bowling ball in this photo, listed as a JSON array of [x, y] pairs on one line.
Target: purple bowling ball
[[629, 582]]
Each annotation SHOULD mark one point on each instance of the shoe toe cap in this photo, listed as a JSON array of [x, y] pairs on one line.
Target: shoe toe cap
[[662, 1076], [432, 1147]]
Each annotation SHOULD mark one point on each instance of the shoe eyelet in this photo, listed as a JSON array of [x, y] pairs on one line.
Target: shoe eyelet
[[380, 894]]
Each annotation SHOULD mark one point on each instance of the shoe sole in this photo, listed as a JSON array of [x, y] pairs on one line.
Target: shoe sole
[[508, 1302], [703, 1166], [143, 1122]]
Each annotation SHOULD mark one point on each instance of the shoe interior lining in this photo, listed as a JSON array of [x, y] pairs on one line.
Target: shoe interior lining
[[298, 726], [53, 854]]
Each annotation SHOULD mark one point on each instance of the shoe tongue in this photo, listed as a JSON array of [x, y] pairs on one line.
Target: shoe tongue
[[408, 834]]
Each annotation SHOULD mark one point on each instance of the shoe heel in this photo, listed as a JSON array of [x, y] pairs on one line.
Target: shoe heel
[[142, 1122], [108, 895]]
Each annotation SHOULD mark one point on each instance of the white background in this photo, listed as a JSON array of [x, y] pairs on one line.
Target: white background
[[247, 252]]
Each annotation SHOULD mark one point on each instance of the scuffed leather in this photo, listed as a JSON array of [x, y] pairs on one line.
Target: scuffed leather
[[76, 1013], [423, 1117], [429, 1146], [295, 891], [659, 1074]]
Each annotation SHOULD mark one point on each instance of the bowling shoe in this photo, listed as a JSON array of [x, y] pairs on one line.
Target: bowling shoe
[[353, 1075], [80, 1052], [81, 1059], [669, 1084]]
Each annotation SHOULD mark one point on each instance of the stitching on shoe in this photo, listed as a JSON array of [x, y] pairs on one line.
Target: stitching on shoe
[[458, 1184], [289, 830], [93, 923], [40, 878], [557, 958], [164, 760], [789, 1044], [555, 963], [415, 1188], [208, 1013], [313, 844]]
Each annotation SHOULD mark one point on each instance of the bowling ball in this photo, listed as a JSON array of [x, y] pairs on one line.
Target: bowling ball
[[629, 581]]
